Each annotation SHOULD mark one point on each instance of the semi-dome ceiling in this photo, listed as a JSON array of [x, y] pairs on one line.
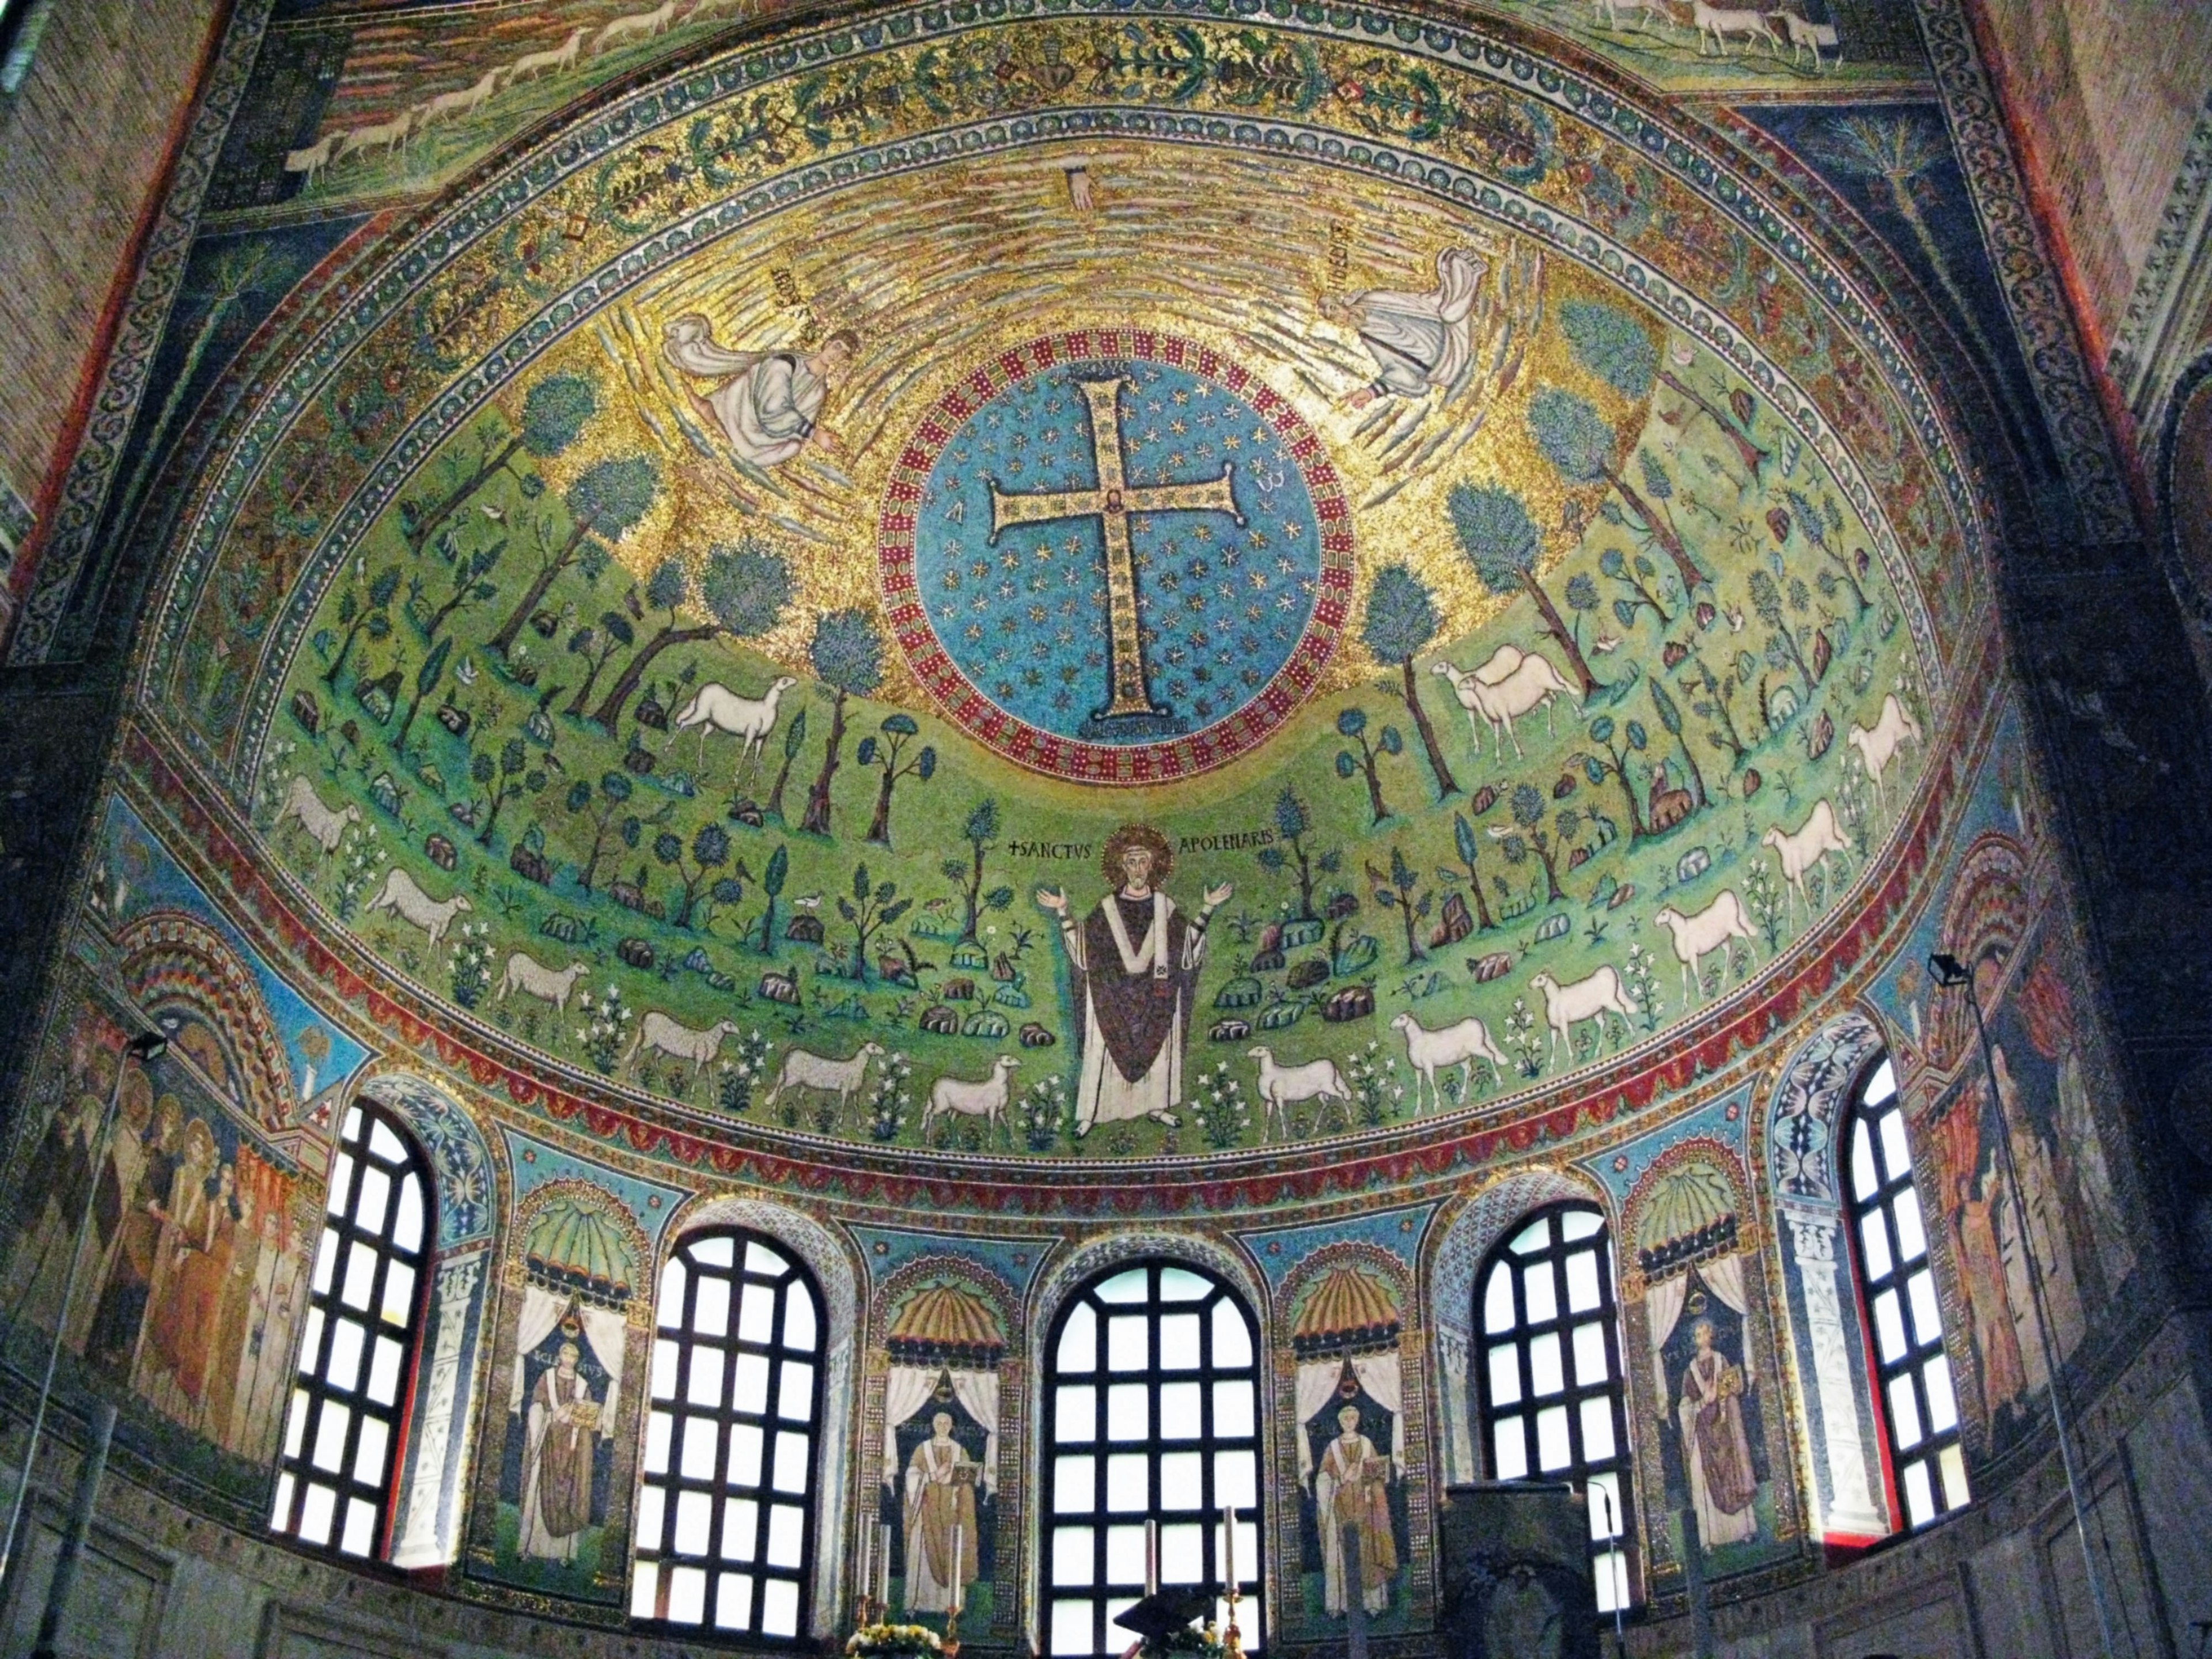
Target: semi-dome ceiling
[[687, 625]]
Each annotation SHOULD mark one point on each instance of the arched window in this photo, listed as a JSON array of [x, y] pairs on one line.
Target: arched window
[[336, 1476], [1552, 1403], [732, 1441], [1151, 1414], [1897, 1289]]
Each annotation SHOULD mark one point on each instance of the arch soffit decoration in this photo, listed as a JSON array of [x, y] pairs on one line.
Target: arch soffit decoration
[[1801, 1112], [821, 1249], [170, 958], [1987, 916], [1371, 1259], [465, 1174], [473, 214], [1099, 1255], [1476, 1221], [938, 1266]]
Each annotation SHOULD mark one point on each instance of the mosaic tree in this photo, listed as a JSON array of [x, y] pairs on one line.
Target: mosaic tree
[[472, 570], [980, 832], [602, 811], [426, 681], [709, 852], [1468, 846], [1670, 716], [608, 499], [1400, 889], [884, 754], [1582, 445], [553, 412], [795, 738], [363, 610], [1618, 347], [597, 644], [1502, 544], [1352, 724], [744, 588], [1402, 619], [1529, 838], [1294, 823], [847, 653], [1616, 742], [870, 909], [501, 781]]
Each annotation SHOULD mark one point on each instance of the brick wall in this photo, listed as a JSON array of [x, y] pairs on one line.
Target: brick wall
[[2104, 93], [82, 147]]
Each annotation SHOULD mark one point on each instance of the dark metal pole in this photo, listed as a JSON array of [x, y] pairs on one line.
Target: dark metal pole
[[73, 1542], [149, 1045], [1355, 1592], [1952, 974], [1693, 1576]]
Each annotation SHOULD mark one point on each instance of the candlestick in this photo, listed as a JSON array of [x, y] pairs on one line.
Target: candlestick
[[884, 1567], [1152, 1558], [958, 1588], [1229, 1549], [865, 1576]]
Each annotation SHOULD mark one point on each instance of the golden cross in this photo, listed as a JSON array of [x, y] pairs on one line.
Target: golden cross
[[1113, 503]]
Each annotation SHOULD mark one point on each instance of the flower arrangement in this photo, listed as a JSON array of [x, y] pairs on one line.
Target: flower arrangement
[[471, 965], [1224, 1115], [883, 1640], [1191, 1641], [1373, 1077], [893, 1097], [738, 1077], [606, 1030]]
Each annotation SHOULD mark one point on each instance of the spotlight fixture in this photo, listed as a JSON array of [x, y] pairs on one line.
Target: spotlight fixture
[[1949, 971]]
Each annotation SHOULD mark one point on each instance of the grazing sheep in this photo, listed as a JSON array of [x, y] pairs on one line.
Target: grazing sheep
[[1430, 1052], [314, 159], [391, 134], [400, 896], [323, 825], [526, 974], [986, 1099], [1566, 1006], [1806, 35], [1282, 1087], [840, 1078], [1708, 930], [663, 1036], [467, 102], [1799, 850], [1719, 24], [645, 23], [559, 60]]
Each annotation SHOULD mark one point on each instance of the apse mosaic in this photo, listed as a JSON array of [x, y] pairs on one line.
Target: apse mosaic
[[1043, 649]]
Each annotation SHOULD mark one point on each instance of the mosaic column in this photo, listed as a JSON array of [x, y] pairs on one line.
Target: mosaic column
[[1851, 1507], [431, 1491]]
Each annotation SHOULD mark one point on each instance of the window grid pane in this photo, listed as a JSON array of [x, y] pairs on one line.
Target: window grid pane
[[1912, 1390], [1157, 1421], [335, 1471], [737, 1392], [1541, 1421]]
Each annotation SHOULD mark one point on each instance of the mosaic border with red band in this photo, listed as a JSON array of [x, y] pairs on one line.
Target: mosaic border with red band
[[1067, 758]]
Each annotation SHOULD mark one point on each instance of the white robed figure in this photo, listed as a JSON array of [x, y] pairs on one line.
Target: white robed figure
[[766, 403], [1135, 963], [556, 1460], [1418, 341]]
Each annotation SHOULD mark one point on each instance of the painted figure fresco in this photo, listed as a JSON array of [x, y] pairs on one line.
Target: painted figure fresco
[[768, 404], [1359, 1556], [1135, 960], [561, 1438], [193, 1268], [942, 1544], [1709, 1408], [1420, 341]]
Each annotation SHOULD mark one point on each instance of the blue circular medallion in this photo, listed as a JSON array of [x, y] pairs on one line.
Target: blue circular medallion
[[1114, 554]]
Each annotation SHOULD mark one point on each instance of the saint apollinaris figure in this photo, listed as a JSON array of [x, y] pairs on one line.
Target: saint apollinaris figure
[[1418, 341], [941, 1515], [556, 1459], [1135, 962], [1714, 1450], [766, 403], [1351, 1492]]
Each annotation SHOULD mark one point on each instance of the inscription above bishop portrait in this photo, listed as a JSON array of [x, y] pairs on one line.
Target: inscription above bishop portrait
[[1115, 555]]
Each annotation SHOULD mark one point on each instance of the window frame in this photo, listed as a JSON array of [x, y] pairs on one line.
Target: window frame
[[719, 1490], [1861, 1118], [1525, 1333], [1103, 1590], [296, 1473]]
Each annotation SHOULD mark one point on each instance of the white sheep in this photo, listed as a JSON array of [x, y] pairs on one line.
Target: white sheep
[[647, 23], [1282, 1087], [1878, 745], [559, 60], [1566, 1006], [1800, 850], [400, 896], [314, 159], [526, 974], [325, 825], [389, 136], [1510, 682], [467, 102], [663, 1036], [1709, 929], [840, 1078], [1430, 1052], [986, 1098], [718, 707]]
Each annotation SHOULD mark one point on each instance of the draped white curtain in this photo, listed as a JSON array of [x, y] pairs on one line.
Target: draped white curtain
[[1316, 1386], [604, 1329], [1663, 1305], [907, 1388], [978, 1391]]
